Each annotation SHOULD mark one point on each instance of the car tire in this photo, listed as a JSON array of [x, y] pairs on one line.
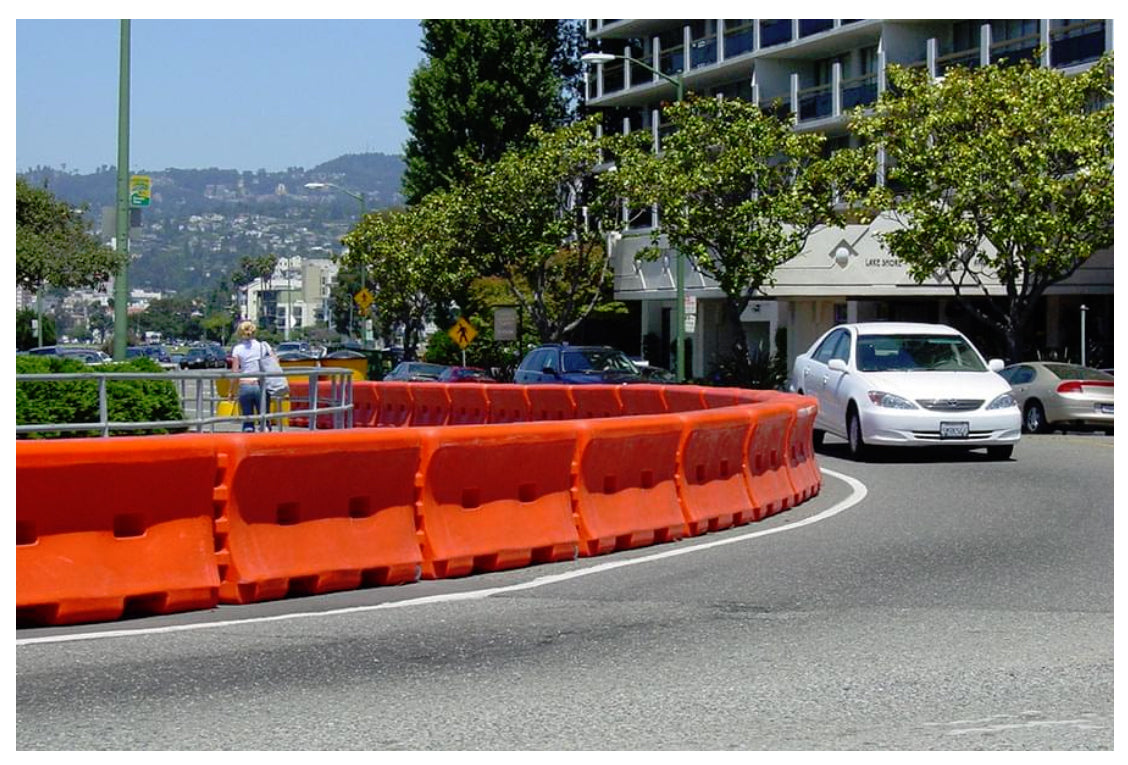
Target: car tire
[[817, 437], [1000, 452], [1034, 418], [854, 439]]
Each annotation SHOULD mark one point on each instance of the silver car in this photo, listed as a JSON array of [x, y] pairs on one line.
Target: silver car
[[1055, 394]]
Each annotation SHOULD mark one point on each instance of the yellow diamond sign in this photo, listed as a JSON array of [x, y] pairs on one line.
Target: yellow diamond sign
[[462, 333], [364, 299]]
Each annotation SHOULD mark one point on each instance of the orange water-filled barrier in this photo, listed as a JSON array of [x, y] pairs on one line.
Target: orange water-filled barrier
[[109, 527]]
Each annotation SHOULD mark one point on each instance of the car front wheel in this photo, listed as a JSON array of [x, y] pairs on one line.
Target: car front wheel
[[854, 438]]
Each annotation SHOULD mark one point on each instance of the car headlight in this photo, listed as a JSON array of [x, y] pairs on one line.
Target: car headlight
[[890, 401], [1004, 401]]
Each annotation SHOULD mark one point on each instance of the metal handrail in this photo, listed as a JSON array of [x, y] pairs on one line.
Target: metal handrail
[[340, 399]]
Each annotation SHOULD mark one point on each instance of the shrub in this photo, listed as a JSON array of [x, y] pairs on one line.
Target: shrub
[[40, 402]]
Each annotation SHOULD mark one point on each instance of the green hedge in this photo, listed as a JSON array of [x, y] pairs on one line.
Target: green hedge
[[73, 401]]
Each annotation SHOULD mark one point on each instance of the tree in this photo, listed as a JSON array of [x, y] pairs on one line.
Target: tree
[[535, 217], [484, 84], [1000, 174], [54, 246], [408, 258], [26, 336], [738, 191]]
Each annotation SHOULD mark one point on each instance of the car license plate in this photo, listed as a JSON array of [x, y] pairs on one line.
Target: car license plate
[[954, 430], [1106, 408]]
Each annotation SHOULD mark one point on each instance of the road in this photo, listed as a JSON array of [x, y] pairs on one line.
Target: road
[[939, 603]]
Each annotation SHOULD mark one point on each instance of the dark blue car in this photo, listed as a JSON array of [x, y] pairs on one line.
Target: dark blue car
[[576, 365]]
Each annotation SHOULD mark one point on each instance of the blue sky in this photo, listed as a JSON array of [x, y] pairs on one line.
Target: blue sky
[[232, 94]]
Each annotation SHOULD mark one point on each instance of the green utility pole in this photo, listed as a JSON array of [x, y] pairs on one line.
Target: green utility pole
[[121, 280], [678, 81]]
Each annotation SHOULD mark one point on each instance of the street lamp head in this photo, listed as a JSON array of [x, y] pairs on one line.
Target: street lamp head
[[316, 185], [597, 58]]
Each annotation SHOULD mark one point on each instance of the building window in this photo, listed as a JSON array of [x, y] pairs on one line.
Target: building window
[[774, 32], [808, 27], [738, 36], [1076, 41]]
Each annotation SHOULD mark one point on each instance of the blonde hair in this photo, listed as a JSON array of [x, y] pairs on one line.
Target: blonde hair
[[246, 329]]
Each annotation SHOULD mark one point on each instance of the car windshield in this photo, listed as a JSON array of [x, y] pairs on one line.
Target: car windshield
[[917, 353], [597, 360]]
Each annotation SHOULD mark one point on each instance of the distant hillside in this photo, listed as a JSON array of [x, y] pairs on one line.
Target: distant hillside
[[202, 222], [195, 192]]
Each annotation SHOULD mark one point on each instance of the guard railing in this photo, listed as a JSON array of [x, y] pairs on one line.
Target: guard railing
[[201, 396]]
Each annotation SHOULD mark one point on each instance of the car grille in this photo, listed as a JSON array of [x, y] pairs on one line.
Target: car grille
[[950, 404], [932, 435]]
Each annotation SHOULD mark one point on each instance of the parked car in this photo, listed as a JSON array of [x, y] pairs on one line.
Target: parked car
[[576, 365], [43, 350], [653, 374], [295, 346], [87, 355], [1053, 394], [157, 353], [204, 357], [415, 371], [907, 384], [218, 356], [465, 374]]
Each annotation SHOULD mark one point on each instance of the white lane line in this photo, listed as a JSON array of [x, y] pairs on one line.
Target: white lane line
[[858, 493]]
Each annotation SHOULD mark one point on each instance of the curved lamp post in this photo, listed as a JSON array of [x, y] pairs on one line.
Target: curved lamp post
[[678, 82], [359, 197]]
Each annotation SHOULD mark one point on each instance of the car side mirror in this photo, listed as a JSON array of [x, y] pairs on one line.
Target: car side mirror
[[838, 365], [996, 365]]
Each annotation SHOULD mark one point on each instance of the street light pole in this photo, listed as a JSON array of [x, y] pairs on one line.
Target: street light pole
[[359, 197], [678, 81], [121, 279]]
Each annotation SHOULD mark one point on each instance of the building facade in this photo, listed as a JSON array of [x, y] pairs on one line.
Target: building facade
[[296, 296], [817, 70]]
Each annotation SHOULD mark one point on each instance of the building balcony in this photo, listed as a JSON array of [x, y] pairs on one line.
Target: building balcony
[[1076, 44]]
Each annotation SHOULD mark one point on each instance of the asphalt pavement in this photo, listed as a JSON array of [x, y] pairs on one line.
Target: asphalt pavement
[[920, 602]]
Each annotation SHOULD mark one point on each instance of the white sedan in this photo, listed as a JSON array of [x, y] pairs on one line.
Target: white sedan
[[907, 384]]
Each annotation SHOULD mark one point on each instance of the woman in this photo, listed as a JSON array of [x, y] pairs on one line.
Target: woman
[[247, 357]]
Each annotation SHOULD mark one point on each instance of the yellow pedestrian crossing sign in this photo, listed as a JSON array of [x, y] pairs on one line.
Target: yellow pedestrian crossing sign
[[364, 299], [462, 333]]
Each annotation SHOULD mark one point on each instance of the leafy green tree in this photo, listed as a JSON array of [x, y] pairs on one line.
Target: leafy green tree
[[997, 174], [410, 263], [536, 218], [54, 246], [484, 83], [172, 317], [26, 336], [738, 190]]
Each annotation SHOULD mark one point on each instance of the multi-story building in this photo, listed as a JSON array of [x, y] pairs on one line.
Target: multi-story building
[[818, 69], [296, 295]]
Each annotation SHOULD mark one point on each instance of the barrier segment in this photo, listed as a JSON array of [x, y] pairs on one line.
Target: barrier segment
[[396, 405], [769, 483], [594, 401], [507, 403], [643, 398], [625, 491], [711, 469], [496, 497], [551, 401], [469, 404], [309, 513], [430, 404], [110, 527], [805, 474]]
